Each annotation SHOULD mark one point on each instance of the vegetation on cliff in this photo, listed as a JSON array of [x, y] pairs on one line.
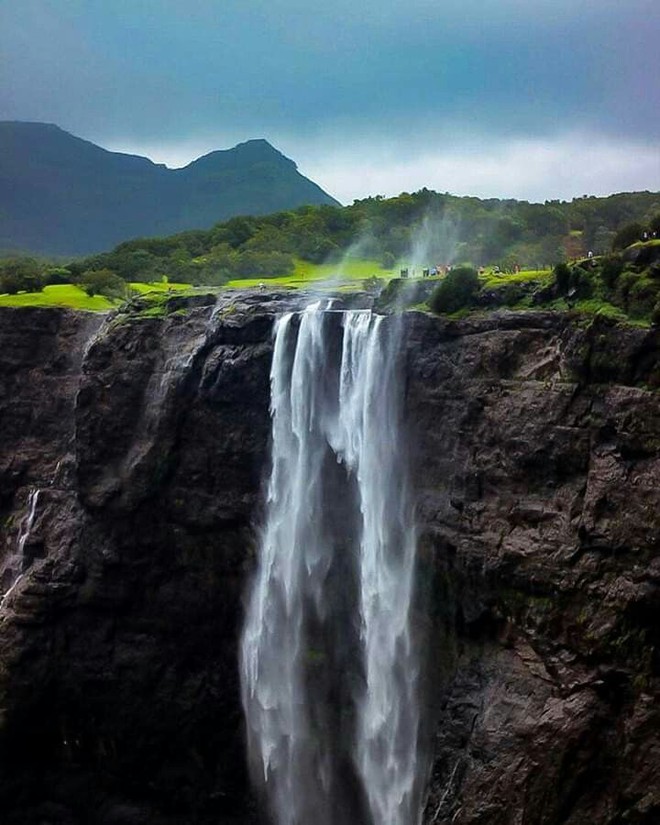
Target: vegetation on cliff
[[423, 229], [514, 244], [623, 285]]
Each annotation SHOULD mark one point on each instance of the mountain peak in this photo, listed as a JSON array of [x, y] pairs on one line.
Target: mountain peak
[[62, 194], [257, 150]]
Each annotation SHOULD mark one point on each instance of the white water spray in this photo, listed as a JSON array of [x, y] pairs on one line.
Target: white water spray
[[329, 672]]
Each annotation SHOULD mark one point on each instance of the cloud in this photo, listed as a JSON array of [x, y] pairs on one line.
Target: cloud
[[535, 169], [146, 67], [426, 80], [530, 169]]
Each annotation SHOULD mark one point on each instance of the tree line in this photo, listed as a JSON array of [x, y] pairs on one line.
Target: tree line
[[435, 227]]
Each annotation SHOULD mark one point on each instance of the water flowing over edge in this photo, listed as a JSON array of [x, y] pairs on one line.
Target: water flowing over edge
[[343, 402]]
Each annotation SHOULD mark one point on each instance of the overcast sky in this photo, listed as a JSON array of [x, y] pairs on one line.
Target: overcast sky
[[523, 98]]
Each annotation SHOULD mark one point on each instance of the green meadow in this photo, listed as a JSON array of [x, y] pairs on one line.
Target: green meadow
[[492, 279], [345, 272], [61, 295], [69, 295], [348, 274]]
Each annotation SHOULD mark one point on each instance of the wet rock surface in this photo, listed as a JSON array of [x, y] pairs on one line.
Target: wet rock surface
[[536, 451], [538, 455]]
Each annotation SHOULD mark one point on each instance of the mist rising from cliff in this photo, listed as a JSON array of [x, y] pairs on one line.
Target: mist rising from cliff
[[329, 669], [434, 241]]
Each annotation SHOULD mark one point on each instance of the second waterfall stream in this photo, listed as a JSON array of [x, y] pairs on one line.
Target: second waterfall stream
[[330, 673]]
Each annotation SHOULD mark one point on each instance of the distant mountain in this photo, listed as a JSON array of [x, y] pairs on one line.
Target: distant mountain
[[63, 195]]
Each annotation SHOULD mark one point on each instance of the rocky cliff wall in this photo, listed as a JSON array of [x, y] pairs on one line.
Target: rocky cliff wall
[[539, 467], [536, 450]]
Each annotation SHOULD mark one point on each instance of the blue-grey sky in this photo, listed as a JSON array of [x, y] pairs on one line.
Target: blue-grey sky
[[521, 98]]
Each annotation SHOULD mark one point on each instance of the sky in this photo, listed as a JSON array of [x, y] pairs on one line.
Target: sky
[[533, 99]]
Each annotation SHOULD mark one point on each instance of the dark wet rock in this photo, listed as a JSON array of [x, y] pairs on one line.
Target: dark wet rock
[[539, 455], [536, 449]]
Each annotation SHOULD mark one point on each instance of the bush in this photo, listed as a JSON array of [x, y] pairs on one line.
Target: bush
[[21, 275], [624, 286], [642, 297], [254, 264], [10, 283], [103, 282], [456, 291], [581, 285], [57, 276], [316, 248], [611, 269], [511, 294], [627, 235]]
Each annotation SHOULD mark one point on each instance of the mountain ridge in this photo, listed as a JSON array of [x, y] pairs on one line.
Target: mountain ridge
[[62, 194]]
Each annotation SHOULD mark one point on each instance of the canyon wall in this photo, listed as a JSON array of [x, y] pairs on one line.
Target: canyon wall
[[133, 452]]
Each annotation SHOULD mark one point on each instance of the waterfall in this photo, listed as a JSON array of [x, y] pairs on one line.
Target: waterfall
[[329, 672], [15, 565]]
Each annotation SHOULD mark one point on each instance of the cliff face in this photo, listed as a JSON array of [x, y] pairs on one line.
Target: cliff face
[[118, 681], [539, 464], [536, 450]]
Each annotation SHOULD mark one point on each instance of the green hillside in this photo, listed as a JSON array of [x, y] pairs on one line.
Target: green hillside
[[412, 230], [371, 238]]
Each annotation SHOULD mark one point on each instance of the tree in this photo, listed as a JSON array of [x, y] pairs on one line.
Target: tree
[[629, 234], [456, 291], [21, 275], [103, 282], [56, 275], [612, 267]]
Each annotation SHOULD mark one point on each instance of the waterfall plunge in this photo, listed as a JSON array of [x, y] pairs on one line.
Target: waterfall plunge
[[328, 669]]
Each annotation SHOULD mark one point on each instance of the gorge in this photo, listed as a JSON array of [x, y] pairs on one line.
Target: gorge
[[133, 454]]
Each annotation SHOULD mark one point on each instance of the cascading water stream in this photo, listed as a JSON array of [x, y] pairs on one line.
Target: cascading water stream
[[15, 564], [329, 671]]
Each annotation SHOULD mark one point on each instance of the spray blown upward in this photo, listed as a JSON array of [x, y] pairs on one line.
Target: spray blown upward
[[328, 669]]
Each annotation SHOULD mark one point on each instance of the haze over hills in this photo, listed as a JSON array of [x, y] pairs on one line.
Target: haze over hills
[[60, 194]]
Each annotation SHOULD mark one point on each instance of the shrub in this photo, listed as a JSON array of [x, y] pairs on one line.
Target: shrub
[[10, 283], [103, 282], [21, 275], [612, 267], [581, 285], [511, 294], [627, 235], [253, 264], [456, 291], [642, 297], [624, 286]]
